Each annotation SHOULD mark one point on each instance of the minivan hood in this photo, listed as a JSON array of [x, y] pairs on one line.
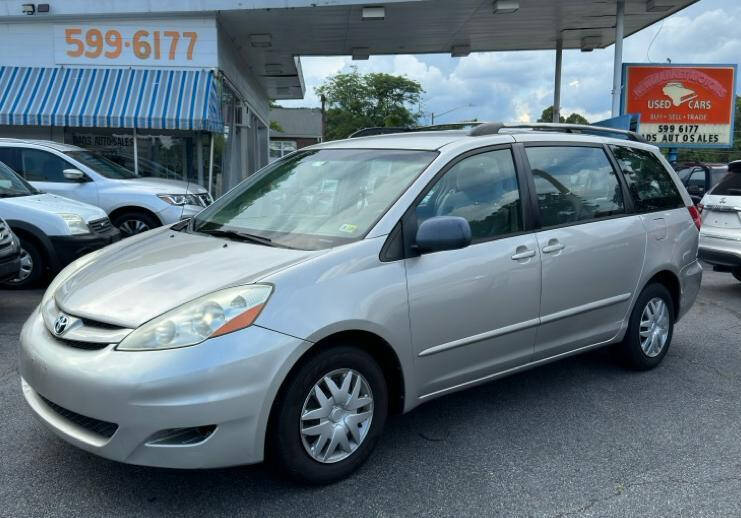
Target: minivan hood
[[57, 205], [144, 276]]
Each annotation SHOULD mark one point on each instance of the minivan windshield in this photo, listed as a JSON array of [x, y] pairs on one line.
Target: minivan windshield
[[101, 165], [315, 199], [12, 185]]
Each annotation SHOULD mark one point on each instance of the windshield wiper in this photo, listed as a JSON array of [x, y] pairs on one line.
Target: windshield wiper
[[241, 236], [12, 194]]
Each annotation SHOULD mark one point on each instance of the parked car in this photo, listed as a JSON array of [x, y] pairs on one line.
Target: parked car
[[720, 235], [10, 251], [698, 177], [356, 278], [53, 231], [134, 204]]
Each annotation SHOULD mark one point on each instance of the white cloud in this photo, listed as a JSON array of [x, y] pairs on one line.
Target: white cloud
[[519, 85]]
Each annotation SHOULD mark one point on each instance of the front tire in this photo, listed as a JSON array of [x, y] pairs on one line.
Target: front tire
[[33, 267], [329, 417], [132, 222], [650, 329]]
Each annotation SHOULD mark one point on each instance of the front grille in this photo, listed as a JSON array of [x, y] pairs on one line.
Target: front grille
[[78, 344], [100, 225], [5, 239], [96, 426]]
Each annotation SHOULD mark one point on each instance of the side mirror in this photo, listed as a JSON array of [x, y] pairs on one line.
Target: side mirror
[[74, 174], [443, 233]]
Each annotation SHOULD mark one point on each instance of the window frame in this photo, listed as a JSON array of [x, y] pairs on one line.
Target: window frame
[[23, 149], [627, 198], [637, 210], [406, 229]]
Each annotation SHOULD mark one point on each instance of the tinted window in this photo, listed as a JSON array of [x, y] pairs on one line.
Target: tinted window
[[574, 184], [42, 166], [697, 178], [730, 185], [11, 157], [649, 183], [482, 189]]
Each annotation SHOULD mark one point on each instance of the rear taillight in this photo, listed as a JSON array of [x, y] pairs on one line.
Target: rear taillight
[[695, 214]]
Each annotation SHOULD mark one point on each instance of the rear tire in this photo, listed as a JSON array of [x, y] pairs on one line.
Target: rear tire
[[134, 222], [650, 329], [33, 267], [335, 443]]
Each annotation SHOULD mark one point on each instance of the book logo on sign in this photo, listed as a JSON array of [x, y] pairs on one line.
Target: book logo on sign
[[678, 93]]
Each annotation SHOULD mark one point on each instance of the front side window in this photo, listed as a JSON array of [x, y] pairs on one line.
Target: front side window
[[649, 183], [42, 166], [482, 189], [574, 184], [315, 199], [101, 165]]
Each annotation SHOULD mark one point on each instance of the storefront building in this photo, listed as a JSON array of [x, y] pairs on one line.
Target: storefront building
[[168, 97], [293, 129]]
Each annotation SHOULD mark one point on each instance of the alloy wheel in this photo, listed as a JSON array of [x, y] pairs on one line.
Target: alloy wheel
[[26, 267], [336, 416], [130, 227], [654, 327]]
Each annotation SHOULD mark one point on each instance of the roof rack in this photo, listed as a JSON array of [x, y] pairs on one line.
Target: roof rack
[[493, 128], [369, 132]]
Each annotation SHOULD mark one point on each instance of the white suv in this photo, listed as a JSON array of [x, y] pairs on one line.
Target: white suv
[[133, 203]]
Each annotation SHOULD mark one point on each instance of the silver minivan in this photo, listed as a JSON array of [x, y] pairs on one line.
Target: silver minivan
[[358, 278]]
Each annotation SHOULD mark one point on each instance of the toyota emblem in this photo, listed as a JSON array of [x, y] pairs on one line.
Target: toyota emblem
[[60, 324]]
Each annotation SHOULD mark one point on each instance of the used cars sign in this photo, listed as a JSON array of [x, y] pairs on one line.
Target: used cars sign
[[681, 105]]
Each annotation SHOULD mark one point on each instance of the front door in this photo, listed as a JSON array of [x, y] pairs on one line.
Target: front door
[[474, 311], [592, 249], [46, 171]]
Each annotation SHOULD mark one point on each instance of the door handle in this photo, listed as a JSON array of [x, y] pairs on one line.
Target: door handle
[[553, 246], [525, 254]]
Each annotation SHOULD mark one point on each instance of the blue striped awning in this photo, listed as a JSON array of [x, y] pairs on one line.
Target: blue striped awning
[[110, 98]]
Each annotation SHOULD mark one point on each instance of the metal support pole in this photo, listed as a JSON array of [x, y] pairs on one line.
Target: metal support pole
[[136, 155], [199, 158], [617, 69], [211, 166], [557, 82]]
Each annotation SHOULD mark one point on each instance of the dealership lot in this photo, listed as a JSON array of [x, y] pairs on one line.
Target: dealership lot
[[581, 437]]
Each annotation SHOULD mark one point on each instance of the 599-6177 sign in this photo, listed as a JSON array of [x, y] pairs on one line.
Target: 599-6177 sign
[[135, 44], [682, 105]]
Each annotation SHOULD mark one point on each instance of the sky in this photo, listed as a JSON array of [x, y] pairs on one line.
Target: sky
[[517, 86]]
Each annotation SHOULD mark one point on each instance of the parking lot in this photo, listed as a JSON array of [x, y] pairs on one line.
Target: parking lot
[[581, 437]]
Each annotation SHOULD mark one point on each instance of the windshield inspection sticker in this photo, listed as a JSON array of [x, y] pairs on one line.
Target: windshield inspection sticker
[[348, 228]]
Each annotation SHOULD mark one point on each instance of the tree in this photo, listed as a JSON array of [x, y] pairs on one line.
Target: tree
[[356, 101], [574, 118]]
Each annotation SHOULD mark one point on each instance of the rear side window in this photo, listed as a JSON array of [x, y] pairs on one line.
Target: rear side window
[[648, 181], [574, 184], [730, 185]]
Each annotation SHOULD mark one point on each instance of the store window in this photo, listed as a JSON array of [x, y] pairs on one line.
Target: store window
[[280, 148]]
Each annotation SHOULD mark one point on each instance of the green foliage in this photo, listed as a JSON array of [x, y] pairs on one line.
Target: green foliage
[[717, 155], [275, 126], [574, 118], [356, 101]]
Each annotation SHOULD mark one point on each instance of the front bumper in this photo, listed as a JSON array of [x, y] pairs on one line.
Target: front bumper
[[723, 252], [229, 382], [69, 248]]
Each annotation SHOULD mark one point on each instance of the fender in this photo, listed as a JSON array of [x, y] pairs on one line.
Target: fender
[[41, 237]]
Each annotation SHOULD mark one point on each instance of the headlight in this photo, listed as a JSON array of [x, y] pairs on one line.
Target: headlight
[[180, 199], [212, 315], [75, 224]]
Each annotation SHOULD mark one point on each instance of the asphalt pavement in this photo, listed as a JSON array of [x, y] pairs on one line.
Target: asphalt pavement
[[581, 437]]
